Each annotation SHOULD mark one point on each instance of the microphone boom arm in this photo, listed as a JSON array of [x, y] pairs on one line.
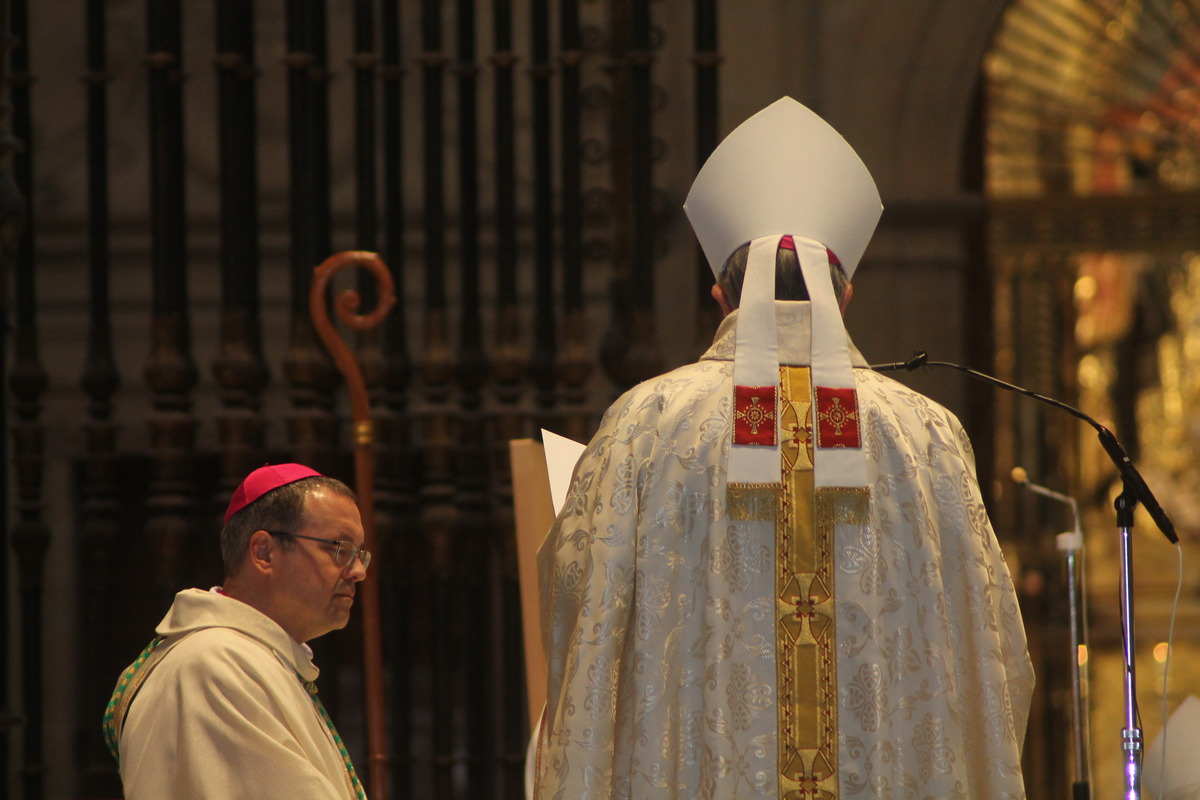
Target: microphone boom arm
[[1129, 474]]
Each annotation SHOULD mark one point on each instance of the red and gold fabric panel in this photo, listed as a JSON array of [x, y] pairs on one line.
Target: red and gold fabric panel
[[754, 415]]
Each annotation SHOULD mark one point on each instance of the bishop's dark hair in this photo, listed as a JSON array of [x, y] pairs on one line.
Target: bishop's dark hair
[[789, 281], [280, 509]]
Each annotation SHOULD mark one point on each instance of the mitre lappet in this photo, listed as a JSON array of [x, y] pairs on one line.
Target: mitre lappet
[[785, 174]]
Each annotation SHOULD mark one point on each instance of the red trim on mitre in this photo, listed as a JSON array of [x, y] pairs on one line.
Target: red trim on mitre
[[754, 415], [265, 479], [837, 418]]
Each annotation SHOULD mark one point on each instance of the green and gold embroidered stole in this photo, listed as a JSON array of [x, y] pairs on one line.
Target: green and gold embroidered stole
[[132, 678], [123, 694], [351, 775]]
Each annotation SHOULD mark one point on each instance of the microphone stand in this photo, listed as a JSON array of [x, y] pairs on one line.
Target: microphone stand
[[1070, 544], [1134, 490], [1131, 735]]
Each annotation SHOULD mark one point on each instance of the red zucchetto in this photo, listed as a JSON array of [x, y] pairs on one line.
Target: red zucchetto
[[266, 479]]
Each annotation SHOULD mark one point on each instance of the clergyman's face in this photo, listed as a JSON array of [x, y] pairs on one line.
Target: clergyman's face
[[314, 592]]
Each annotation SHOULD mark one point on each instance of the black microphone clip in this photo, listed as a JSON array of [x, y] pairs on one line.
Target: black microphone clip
[[920, 357]]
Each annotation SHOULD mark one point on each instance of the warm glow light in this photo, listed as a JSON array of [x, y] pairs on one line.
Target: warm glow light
[[1082, 655], [1160, 652], [1085, 288]]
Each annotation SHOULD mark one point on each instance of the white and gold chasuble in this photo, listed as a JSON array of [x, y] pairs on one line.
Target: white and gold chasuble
[[839, 652]]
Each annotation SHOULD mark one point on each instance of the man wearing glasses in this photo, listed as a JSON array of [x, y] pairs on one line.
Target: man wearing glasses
[[222, 703]]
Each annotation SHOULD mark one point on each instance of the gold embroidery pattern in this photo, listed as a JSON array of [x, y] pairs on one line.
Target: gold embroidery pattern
[[795, 428], [756, 415], [839, 417], [806, 664], [753, 501], [842, 507]]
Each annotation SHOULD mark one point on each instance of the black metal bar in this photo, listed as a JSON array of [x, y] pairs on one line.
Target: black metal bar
[[471, 469], [512, 708], [366, 186], [237, 132], [571, 138], [99, 524], [574, 356], [542, 362], [433, 62], [169, 372], [508, 361], [630, 349], [504, 60], [470, 361], [164, 61], [439, 515], [102, 369], [370, 349], [308, 141], [706, 59], [240, 369], [507, 370], [391, 75], [393, 489], [29, 536], [310, 374], [641, 156], [399, 366], [618, 340]]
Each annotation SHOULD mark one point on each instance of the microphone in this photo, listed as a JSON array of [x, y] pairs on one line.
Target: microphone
[[1021, 478], [1129, 474]]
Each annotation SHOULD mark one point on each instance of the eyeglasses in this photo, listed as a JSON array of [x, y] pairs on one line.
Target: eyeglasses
[[343, 551]]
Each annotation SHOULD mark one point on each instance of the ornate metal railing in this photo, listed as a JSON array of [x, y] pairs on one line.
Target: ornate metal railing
[[501, 157]]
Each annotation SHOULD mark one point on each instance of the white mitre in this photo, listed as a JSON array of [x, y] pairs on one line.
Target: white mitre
[[786, 172]]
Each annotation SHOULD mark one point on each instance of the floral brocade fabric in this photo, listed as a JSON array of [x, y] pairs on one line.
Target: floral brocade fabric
[[667, 639]]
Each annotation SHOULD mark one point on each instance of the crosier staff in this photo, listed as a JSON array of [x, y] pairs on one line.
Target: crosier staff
[[346, 305]]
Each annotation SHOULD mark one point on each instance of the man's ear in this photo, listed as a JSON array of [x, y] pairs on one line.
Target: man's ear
[[846, 295], [719, 295], [260, 550]]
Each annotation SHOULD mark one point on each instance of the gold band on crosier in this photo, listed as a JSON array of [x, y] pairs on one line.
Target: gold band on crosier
[[364, 433]]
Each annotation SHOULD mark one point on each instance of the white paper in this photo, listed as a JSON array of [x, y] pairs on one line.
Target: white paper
[[562, 454]]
